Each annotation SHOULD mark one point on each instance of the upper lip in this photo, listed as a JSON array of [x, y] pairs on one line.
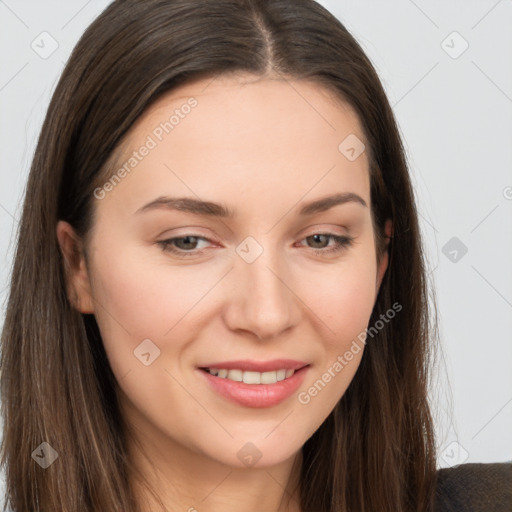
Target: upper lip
[[258, 366]]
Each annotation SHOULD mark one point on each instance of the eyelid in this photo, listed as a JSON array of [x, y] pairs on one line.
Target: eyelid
[[324, 227]]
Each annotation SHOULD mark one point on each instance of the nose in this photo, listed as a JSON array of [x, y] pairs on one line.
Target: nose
[[262, 300]]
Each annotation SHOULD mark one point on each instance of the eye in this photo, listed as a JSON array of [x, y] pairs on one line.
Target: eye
[[340, 242], [186, 246], [188, 243]]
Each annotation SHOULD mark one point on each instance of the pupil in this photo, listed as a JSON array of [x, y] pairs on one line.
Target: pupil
[[186, 240], [316, 238]]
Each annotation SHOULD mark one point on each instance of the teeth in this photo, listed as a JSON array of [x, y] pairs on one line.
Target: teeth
[[269, 378], [252, 377], [236, 375]]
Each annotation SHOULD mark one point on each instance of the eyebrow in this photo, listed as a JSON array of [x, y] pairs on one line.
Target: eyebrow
[[211, 209]]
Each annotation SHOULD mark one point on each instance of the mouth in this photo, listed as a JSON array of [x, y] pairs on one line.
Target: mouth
[[255, 384]]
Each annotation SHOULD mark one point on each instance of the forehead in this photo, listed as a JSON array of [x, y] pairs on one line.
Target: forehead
[[252, 136], [274, 112]]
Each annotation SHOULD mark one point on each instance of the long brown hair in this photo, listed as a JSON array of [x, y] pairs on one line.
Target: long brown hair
[[376, 450]]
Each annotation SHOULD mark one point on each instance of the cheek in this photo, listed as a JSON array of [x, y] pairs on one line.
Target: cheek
[[345, 299], [136, 299], [344, 306]]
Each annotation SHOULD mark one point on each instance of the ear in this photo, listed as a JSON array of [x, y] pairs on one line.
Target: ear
[[77, 279], [383, 264]]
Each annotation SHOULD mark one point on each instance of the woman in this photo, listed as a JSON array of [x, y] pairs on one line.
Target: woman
[[280, 365]]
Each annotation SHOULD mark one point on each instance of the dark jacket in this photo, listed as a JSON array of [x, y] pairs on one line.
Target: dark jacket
[[475, 488]]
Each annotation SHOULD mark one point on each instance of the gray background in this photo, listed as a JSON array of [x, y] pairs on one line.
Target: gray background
[[454, 109]]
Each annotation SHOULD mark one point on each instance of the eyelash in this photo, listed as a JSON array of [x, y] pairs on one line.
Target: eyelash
[[342, 242]]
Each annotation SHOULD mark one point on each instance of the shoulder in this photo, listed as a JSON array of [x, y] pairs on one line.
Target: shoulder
[[475, 487]]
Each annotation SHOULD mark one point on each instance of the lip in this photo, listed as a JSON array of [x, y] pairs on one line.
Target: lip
[[255, 395], [250, 365]]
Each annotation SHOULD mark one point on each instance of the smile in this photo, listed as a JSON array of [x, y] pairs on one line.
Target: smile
[[250, 377], [247, 386]]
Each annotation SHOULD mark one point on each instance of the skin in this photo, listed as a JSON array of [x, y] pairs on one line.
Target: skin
[[262, 147]]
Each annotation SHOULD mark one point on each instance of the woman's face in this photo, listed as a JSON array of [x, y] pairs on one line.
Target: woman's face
[[177, 285]]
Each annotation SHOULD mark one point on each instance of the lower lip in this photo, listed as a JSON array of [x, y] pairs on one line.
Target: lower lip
[[256, 395]]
